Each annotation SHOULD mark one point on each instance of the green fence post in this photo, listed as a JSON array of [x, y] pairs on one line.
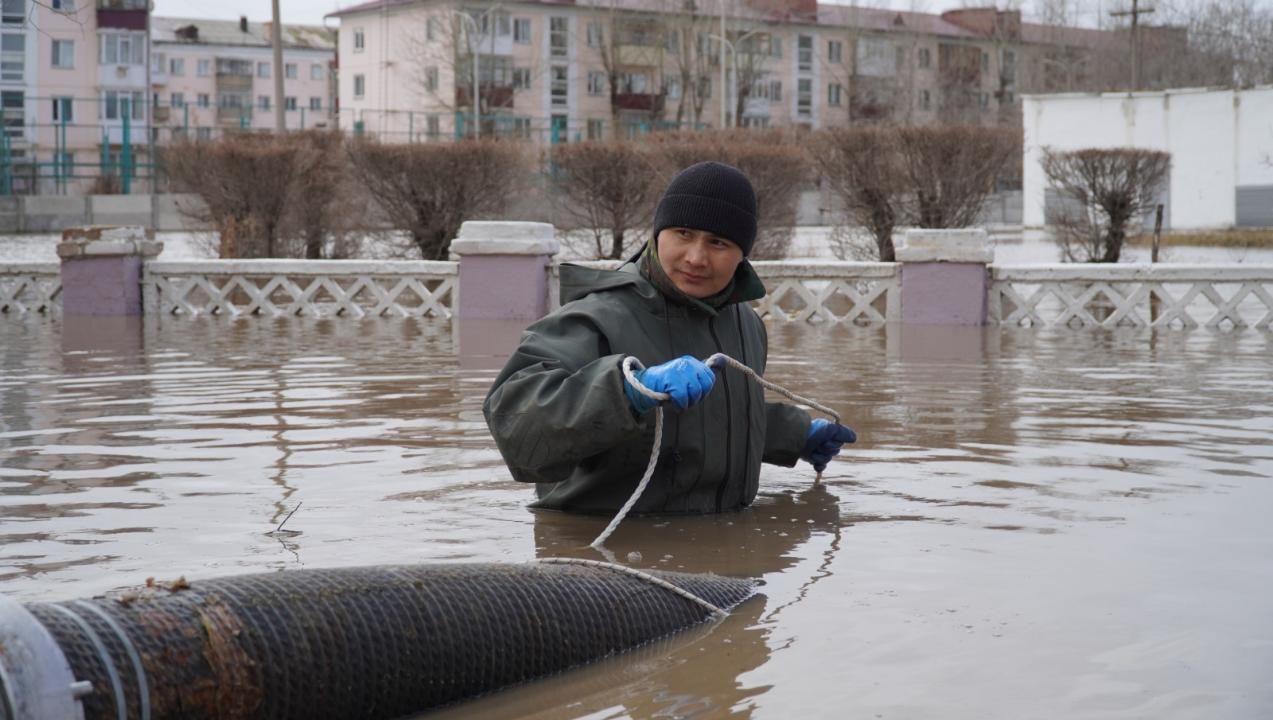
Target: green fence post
[[126, 153]]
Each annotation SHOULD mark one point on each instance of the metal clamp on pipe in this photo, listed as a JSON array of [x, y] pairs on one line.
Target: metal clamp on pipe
[[36, 682]]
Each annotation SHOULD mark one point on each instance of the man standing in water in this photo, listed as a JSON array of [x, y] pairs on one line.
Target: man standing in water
[[564, 417]]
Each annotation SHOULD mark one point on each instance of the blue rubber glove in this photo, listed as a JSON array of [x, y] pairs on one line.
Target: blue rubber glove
[[686, 379], [823, 442]]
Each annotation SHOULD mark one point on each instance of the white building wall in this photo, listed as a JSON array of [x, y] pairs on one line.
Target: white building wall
[[1218, 140]]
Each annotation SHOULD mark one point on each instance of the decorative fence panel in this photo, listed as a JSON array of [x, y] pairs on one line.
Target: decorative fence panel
[[861, 293], [1186, 296], [30, 288], [313, 288]]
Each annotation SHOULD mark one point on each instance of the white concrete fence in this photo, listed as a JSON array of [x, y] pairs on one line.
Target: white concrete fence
[[942, 277]]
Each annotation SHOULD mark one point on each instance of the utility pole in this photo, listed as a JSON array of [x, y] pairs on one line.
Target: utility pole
[[724, 97], [1135, 14], [276, 37]]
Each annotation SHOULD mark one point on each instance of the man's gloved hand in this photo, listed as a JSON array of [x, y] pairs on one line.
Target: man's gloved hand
[[824, 441], [687, 379]]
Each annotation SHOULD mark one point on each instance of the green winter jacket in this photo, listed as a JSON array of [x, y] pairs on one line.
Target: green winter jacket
[[561, 420]]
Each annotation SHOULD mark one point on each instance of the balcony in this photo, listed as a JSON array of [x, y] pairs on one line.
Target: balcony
[[234, 83], [123, 14], [492, 97], [636, 101], [233, 115]]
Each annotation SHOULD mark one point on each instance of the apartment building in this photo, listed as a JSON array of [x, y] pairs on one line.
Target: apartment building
[[558, 71], [72, 91], [88, 87], [210, 76]]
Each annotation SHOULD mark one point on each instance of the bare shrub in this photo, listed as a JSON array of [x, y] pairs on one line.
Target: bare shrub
[[429, 189], [1102, 192], [863, 168], [244, 181], [777, 166], [108, 184], [322, 209], [950, 171], [606, 187]]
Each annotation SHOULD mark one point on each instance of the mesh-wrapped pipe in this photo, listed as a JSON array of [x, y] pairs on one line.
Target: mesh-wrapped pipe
[[378, 642]]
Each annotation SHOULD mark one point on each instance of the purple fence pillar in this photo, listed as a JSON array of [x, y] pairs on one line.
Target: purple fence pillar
[[503, 286], [102, 267], [945, 278]]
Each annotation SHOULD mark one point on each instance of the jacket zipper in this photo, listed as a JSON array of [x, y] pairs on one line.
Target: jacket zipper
[[729, 422]]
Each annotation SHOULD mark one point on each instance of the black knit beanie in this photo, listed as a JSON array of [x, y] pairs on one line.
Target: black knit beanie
[[710, 196]]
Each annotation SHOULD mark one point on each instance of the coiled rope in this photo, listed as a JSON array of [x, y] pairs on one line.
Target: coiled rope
[[715, 361]]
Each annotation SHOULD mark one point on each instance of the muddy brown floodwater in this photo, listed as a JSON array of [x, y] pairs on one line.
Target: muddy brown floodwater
[[1034, 524]]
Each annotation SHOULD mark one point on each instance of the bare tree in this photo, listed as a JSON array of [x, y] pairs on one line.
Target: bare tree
[[1102, 192], [245, 183], [863, 168], [950, 171], [689, 24], [631, 48], [430, 189], [322, 207], [607, 187]]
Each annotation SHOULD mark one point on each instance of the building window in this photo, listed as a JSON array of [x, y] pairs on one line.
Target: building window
[[430, 79], [177, 66], [876, 57], [263, 102], [775, 46], [13, 104], [672, 86], [432, 126], [985, 62], [805, 53], [262, 69], [203, 100], [123, 48], [315, 103], [704, 87], [233, 100], [834, 91], [63, 110], [289, 103], [804, 97], [315, 71], [65, 6], [775, 90], [360, 86], [290, 72], [596, 129], [203, 68], [203, 133], [596, 83], [120, 103], [560, 89], [558, 36], [924, 57], [925, 100], [521, 31], [65, 163], [360, 38], [177, 100], [835, 51], [521, 78], [984, 101], [595, 38], [64, 54], [1008, 67], [13, 57]]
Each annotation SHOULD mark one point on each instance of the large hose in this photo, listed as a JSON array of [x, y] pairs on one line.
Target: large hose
[[378, 642]]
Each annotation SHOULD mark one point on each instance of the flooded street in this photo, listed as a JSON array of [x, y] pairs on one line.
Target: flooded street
[[1033, 524]]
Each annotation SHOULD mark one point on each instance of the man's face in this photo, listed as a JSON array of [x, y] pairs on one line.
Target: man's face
[[699, 263]]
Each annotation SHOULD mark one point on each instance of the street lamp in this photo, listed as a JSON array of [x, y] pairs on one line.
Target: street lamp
[[473, 39]]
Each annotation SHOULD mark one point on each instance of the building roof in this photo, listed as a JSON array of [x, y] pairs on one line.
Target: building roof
[[1063, 35], [230, 32], [861, 18]]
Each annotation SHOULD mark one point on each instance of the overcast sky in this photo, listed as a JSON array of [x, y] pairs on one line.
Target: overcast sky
[[310, 12]]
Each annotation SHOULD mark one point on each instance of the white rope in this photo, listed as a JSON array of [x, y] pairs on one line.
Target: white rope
[[653, 580], [717, 360]]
